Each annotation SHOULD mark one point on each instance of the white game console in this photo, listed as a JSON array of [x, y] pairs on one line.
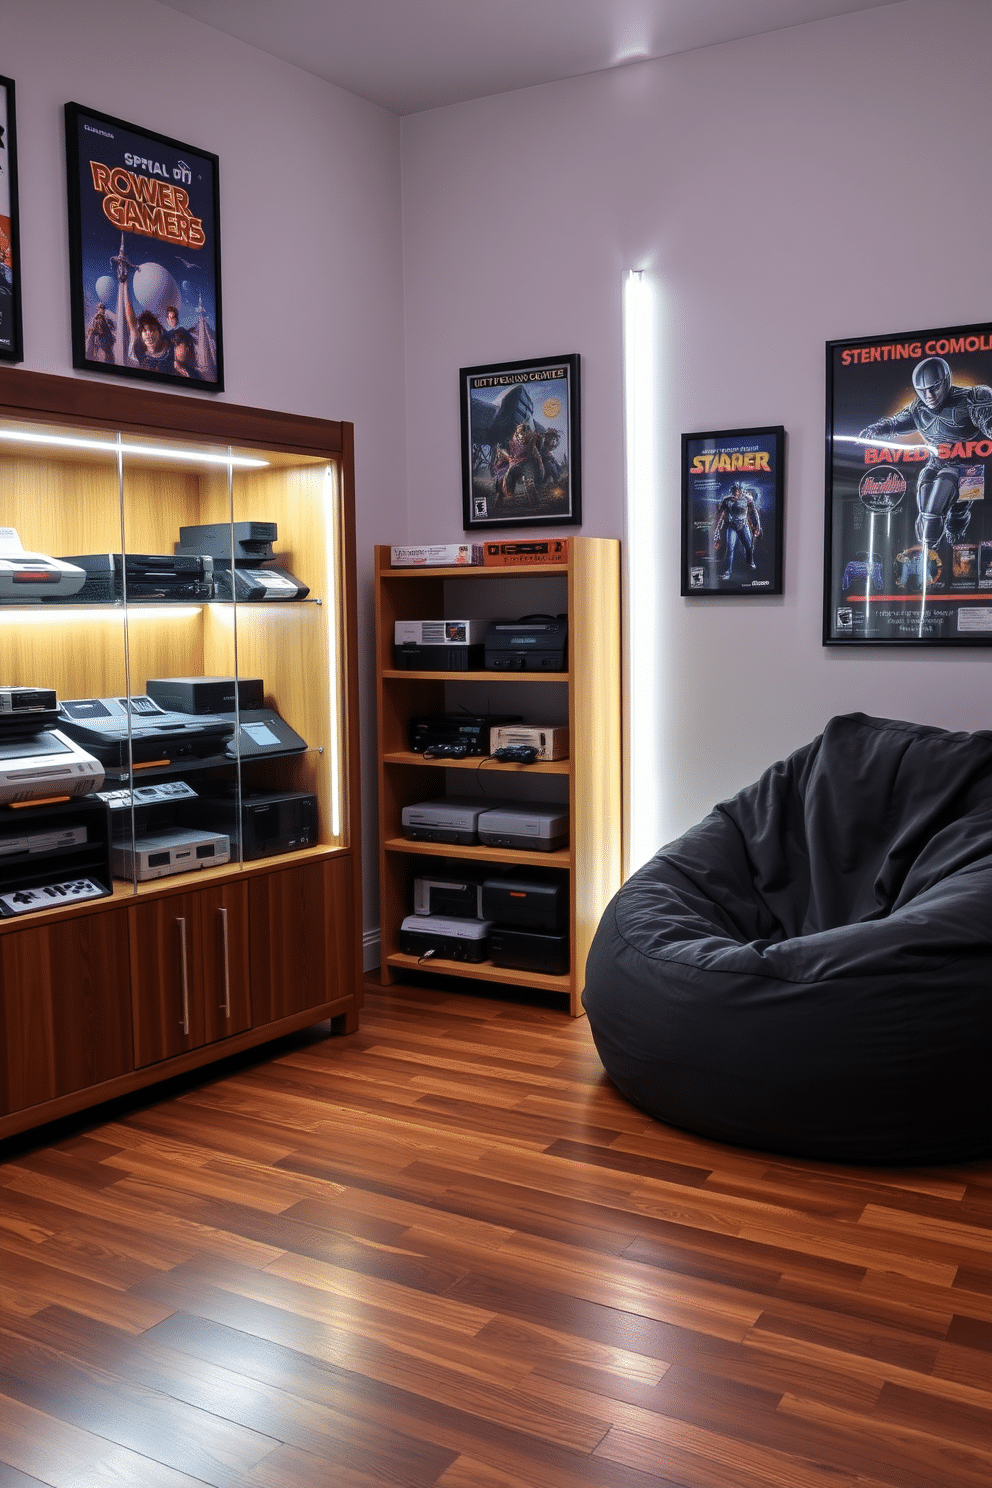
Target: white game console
[[27, 577], [46, 764], [535, 828], [440, 632], [172, 850], [447, 819]]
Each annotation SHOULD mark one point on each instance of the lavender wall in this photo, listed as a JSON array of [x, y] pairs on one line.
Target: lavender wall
[[310, 211], [811, 184]]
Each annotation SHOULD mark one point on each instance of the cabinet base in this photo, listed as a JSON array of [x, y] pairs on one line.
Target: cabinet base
[[342, 1013]]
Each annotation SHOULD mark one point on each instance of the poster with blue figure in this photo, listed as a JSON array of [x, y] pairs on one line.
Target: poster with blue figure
[[732, 508], [144, 245]]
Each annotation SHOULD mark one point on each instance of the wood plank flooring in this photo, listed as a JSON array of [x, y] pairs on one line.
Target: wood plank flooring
[[443, 1251]]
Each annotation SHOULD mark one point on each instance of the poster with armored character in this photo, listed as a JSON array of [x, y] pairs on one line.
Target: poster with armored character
[[144, 253], [520, 444], [908, 556], [732, 511]]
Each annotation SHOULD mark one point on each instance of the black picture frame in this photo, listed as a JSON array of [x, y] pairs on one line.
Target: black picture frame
[[733, 511], [908, 516], [11, 339], [144, 232], [521, 451]]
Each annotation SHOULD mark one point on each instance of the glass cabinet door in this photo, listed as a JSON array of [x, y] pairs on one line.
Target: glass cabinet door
[[62, 651], [286, 573], [182, 659]]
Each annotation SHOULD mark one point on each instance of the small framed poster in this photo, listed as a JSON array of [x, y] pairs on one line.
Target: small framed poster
[[144, 253], [732, 511], [908, 544], [10, 261], [520, 444]]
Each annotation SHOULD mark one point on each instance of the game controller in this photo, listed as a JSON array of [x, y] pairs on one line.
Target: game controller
[[515, 754], [446, 751]]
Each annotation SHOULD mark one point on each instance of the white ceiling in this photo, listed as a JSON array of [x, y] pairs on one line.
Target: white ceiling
[[409, 55]]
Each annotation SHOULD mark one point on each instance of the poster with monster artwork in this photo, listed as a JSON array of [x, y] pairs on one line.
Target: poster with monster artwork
[[732, 499], [908, 552], [144, 253], [520, 444]]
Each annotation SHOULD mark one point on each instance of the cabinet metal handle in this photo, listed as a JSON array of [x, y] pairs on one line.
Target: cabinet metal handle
[[226, 1004], [185, 972]]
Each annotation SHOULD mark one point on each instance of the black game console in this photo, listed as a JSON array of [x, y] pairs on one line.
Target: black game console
[[103, 726], [471, 729], [525, 901], [528, 950], [263, 734], [410, 657], [151, 578], [537, 643], [245, 542], [205, 694], [271, 821], [27, 710]]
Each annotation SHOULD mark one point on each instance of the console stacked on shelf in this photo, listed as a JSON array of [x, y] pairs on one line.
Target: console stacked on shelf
[[179, 864], [499, 770]]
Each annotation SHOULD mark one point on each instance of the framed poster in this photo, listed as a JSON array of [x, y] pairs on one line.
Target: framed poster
[[520, 444], [733, 483], [10, 260], [908, 545], [144, 253]]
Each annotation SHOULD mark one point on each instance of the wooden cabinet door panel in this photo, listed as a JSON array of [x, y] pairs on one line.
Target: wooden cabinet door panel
[[301, 933], [65, 1010], [166, 983], [224, 970]]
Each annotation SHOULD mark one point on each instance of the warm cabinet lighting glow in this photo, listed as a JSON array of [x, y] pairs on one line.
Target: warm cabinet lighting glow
[[112, 447]]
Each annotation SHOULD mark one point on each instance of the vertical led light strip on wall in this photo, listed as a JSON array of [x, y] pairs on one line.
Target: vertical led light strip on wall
[[643, 683]]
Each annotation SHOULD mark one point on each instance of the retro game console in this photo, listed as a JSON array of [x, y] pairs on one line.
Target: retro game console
[[205, 694], [151, 578], [535, 828], [450, 889], [49, 763], [536, 643], [27, 710], [27, 577], [525, 902], [104, 726], [549, 741], [271, 821], [448, 819], [172, 850], [528, 950], [437, 935], [237, 551]]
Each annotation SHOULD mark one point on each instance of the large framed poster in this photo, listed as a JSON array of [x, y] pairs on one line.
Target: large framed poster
[[144, 253], [733, 484], [10, 261], [908, 545], [520, 444]]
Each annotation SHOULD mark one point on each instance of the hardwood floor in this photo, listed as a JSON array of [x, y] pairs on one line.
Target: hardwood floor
[[444, 1251]]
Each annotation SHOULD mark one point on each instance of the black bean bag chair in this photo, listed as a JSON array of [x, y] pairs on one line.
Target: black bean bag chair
[[809, 970]]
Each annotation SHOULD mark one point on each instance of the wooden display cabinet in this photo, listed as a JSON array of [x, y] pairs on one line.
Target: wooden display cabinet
[[585, 697], [102, 996]]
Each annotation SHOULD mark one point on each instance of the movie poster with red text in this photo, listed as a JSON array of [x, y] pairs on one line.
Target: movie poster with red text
[[909, 489], [144, 245]]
